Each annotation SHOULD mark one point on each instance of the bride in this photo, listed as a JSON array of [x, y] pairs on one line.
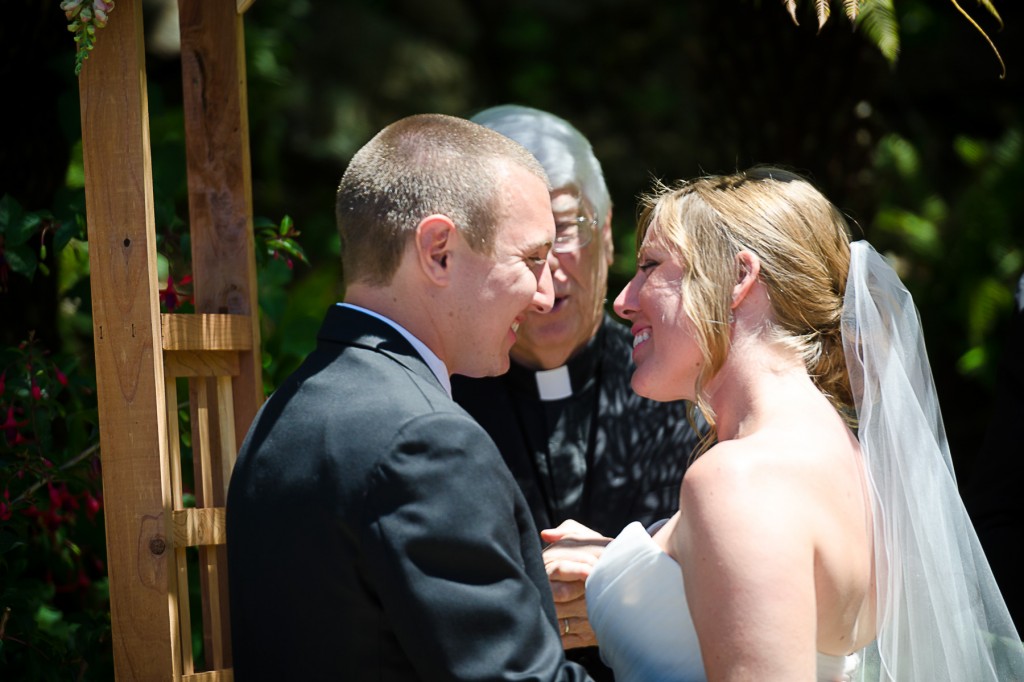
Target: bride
[[821, 537]]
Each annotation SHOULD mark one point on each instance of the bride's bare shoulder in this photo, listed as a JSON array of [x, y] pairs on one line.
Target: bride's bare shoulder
[[771, 476]]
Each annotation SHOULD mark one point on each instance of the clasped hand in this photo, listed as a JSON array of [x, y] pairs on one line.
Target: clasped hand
[[569, 558]]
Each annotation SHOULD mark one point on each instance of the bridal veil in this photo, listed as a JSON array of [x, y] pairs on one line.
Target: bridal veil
[[940, 614]]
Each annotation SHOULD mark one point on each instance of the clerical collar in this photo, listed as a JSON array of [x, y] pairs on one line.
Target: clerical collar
[[561, 382], [554, 384]]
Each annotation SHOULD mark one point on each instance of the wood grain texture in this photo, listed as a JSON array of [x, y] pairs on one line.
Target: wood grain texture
[[206, 332], [126, 327], [219, 179], [223, 256], [196, 527], [188, 363], [212, 676]]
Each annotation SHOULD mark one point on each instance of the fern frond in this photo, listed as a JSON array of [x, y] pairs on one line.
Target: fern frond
[[985, 35], [824, 8], [791, 8], [852, 8], [878, 21], [987, 4]]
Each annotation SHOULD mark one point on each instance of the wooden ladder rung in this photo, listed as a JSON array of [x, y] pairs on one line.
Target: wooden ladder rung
[[226, 675], [206, 331], [195, 363], [194, 527]]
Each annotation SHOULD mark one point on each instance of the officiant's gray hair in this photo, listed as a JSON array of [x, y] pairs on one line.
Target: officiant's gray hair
[[565, 153], [419, 166], [803, 243]]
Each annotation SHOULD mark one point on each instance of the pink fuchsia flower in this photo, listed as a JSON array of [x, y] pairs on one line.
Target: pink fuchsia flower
[[61, 377], [92, 505], [67, 499], [11, 426], [3, 383], [170, 297], [37, 393]]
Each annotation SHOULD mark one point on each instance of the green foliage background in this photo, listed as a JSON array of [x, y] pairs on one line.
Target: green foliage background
[[925, 156]]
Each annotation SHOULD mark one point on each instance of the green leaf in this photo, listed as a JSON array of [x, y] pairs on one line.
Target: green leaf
[[791, 8], [971, 151], [66, 231], [289, 246], [25, 229], [824, 9], [10, 213], [21, 260], [972, 361], [989, 298], [286, 225], [878, 21], [987, 4]]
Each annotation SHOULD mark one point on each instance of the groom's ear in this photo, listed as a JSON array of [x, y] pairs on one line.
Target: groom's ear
[[748, 268], [434, 242]]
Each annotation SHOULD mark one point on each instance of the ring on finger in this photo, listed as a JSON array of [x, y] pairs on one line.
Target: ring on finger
[[565, 626]]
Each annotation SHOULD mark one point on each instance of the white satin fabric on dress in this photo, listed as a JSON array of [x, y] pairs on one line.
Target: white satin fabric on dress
[[637, 608]]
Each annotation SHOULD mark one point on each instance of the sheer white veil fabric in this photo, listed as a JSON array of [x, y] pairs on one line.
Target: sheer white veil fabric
[[940, 614]]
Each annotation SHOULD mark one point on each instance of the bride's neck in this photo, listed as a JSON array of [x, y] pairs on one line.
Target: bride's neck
[[758, 383]]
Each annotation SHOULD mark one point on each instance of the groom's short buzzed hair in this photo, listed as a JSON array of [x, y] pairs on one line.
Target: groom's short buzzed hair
[[419, 166]]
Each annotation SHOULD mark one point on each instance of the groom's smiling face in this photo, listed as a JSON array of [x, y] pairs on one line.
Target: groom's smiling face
[[497, 291]]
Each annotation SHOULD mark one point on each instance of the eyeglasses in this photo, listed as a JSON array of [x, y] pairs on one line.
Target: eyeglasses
[[574, 235]]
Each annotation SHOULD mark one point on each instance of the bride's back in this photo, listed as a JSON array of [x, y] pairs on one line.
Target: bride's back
[[779, 517]]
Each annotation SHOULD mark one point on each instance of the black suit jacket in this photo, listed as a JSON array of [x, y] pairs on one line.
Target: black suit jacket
[[374, 532]]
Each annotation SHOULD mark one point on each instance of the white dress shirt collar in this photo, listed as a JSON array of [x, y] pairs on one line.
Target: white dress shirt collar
[[435, 364]]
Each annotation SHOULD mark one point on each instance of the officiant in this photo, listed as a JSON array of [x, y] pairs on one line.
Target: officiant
[[579, 442]]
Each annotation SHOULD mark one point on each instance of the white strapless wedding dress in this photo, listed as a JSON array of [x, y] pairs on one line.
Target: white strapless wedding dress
[[637, 608]]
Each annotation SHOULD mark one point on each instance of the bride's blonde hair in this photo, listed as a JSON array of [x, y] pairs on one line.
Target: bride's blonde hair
[[803, 242]]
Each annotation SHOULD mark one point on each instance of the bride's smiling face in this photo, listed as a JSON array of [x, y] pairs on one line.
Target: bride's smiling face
[[665, 348]]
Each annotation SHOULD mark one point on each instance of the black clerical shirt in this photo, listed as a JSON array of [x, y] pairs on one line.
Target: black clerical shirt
[[593, 451], [582, 445]]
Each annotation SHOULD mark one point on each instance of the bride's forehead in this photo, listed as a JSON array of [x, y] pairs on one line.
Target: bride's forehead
[[654, 240]]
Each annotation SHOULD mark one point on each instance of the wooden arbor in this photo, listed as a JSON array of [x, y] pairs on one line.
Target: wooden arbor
[[140, 353]]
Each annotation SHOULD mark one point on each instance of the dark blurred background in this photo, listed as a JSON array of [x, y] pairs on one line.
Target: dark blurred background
[[924, 153]]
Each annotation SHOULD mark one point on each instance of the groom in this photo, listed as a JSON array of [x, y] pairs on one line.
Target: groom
[[374, 530]]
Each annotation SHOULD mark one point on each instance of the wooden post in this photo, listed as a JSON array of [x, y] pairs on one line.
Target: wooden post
[[219, 179], [129, 361], [223, 260]]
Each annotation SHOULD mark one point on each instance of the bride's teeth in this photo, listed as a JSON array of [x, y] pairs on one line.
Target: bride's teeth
[[640, 338], [515, 327]]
